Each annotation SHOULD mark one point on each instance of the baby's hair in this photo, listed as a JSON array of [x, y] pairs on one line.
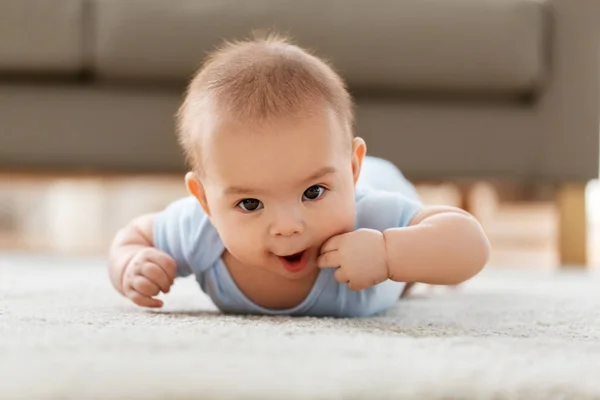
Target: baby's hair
[[256, 80]]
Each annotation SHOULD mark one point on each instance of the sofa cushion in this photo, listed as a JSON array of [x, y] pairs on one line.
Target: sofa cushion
[[404, 44], [41, 36]]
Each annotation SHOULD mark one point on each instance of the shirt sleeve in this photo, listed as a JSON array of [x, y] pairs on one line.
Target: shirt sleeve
[[383, 210], [183, 231], [409, 208]]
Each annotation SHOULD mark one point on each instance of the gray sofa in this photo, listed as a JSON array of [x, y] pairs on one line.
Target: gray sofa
[[444, 89]]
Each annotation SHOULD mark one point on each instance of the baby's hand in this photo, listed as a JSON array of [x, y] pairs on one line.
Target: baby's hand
[[359, 256], [149, 272]]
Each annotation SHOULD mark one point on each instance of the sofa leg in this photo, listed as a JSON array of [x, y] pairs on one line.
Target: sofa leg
[[572, 225]]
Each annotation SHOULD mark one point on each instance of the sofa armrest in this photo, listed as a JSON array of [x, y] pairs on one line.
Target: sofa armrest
[[566, 145]]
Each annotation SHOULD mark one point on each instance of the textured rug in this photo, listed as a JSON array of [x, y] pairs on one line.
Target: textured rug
[[507, 334]]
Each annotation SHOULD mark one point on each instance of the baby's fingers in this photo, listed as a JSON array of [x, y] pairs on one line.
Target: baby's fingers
[[340, 276], [157, 276], [165, 262], [329, 260], [141, 299], [145, 286], [144, 301]]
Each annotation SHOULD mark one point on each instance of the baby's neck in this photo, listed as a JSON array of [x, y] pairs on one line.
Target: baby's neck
[[267, 289]]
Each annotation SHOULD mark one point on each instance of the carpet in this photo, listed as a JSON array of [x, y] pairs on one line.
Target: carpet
[[506, 334]]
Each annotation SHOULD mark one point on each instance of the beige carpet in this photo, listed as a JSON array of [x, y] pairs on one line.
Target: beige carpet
[[64, 334]]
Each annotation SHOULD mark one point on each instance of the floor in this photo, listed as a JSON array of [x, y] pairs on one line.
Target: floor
[[507, 334], [80, 214]]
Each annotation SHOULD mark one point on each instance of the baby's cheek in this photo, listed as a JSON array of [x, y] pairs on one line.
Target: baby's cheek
[[242, 244], [338, 221]]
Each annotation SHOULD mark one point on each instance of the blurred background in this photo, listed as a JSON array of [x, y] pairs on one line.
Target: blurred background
[[490, 106]]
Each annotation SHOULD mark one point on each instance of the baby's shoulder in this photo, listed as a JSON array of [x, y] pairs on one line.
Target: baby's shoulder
[[381, 209], [184, 231], [186, 214]]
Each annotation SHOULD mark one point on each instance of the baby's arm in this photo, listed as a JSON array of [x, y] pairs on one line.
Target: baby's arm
[[442, 246], [137, 270]]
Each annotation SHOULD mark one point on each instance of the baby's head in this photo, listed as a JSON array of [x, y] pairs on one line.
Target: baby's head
[[267, 130]]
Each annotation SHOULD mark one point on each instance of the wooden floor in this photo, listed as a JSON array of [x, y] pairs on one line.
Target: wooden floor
[[79, 215]]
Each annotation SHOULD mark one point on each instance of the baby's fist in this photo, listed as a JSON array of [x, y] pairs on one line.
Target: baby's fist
[[149, 272], [359, 258]]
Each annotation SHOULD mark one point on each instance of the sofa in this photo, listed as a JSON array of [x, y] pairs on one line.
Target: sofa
[[461, 89]]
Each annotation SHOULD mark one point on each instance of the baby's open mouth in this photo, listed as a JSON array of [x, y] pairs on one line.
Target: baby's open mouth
[[295, 262], [294, 257]]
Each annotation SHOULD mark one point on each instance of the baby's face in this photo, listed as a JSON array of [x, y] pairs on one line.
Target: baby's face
[[276, 193]]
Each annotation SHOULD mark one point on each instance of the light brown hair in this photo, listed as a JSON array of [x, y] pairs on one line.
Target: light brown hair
[[259, 79]]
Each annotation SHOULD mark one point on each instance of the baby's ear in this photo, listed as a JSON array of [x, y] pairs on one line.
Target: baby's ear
[[359, 150], [195, 187]]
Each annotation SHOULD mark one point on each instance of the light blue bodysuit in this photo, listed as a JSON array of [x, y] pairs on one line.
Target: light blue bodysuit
[[384, 199]]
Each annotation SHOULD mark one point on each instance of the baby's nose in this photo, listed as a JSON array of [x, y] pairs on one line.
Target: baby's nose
[[287, 224]]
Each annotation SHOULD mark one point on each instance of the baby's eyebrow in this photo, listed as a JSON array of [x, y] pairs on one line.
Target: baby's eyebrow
[[240, 190], [321, 173], [237, 190]]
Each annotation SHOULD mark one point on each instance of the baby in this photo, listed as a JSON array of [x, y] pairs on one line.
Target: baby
[[286, 214]]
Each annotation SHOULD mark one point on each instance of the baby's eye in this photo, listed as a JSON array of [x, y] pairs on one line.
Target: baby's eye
[[313, 192], [250, 204]]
